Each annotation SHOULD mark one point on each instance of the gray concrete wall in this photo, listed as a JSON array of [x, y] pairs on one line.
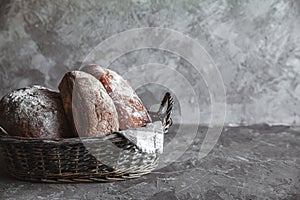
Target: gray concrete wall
[[255, 45]]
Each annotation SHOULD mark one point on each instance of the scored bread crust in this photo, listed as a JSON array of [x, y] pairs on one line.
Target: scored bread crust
[[131, 111], [90, 110]]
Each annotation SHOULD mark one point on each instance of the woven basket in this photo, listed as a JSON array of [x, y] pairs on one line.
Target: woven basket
[[69, 159]]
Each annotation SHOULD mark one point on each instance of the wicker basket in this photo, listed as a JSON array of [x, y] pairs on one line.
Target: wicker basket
[[69, 160]]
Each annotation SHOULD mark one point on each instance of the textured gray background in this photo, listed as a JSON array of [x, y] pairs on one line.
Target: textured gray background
[[255, 44]]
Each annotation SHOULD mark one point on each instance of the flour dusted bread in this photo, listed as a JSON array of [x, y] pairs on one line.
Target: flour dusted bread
[[131, 111], [34, 112], [90, 110], [94, 101]]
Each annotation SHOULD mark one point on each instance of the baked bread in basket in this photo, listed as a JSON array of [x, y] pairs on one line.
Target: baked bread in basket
[[95, 130]]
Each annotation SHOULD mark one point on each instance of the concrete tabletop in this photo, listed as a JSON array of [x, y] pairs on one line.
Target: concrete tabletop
[[257, 162]]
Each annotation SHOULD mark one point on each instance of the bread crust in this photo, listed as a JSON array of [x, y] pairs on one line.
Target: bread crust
[[90, 110], [34, 112], [131, 111]]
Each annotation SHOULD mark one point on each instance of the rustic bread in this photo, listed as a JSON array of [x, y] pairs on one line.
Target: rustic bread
[[131, 111], [90, 110], [34, 112]]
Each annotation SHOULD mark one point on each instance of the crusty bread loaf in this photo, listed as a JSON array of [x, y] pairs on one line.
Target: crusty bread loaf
[[90, 110], [131, 111], [35, 112]]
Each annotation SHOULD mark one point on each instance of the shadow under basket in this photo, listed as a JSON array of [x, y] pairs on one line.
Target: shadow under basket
[[118, 156]]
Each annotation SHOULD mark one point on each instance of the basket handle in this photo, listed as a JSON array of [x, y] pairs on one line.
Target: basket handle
[[3, 132], [167, 105]]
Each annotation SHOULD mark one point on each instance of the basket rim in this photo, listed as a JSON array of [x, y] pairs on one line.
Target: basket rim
[[53, 140]]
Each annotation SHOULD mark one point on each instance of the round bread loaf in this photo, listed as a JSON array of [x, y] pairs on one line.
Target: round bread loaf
[[34, 112], [131, 111], [90, 110]]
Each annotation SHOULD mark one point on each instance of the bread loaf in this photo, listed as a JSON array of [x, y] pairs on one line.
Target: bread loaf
[[90, 110], [131, 111], [34, 112]]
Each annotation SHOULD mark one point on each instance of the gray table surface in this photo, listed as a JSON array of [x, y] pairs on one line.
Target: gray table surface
[[257, 162]]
